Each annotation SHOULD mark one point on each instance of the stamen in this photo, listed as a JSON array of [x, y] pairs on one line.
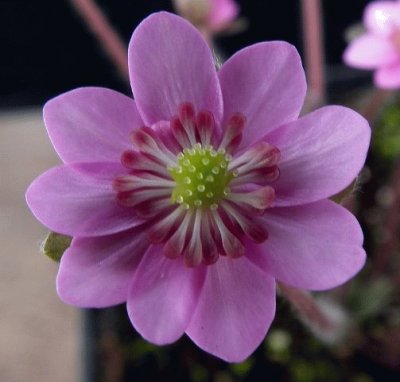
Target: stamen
[[194, 251], [205, 126], [260, 199], [251, 226], [233, 132], [131, 199], [163, 229], [146, 141], [138, 162], [179, 132], [186, 115], [230, 243], [175, 245]]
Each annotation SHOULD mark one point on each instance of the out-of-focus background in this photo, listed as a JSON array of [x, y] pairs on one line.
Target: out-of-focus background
[[47, 49]]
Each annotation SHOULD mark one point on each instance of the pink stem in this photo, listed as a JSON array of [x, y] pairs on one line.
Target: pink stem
[[314, 52], [306, 307], [389, 246], [378, 98], [110, 40]]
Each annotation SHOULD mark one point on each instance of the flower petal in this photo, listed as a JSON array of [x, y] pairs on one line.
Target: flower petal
[[97, 272], [162, 296], [222, 12], [266, 83], [370, 51], [91, 124], [170, 63], [78, 200], [382, 16], [388, 77], [321, 154], [235, 309], [316, 246]]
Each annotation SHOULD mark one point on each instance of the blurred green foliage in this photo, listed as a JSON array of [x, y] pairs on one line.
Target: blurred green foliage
[[386, 137]]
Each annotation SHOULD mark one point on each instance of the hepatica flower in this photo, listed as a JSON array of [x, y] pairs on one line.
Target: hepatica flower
[[379, 47], [191, 200]]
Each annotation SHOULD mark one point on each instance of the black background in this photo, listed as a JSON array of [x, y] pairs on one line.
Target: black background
[[46, 49]]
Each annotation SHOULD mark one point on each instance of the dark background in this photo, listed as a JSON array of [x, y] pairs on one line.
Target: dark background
[[46, 49]]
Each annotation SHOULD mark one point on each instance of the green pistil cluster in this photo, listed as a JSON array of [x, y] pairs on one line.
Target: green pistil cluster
[[202, 177]]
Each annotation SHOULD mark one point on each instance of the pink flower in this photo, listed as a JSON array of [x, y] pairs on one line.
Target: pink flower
[[379, 47], [191, 200], [214, 15]]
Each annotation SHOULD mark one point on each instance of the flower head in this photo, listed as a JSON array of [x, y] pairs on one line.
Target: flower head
[[213, 15], [379, 47], [189, 201]]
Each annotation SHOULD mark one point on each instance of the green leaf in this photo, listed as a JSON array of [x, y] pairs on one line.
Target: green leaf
[[346, 193], [55, 244], [386, 140], [369, 300]]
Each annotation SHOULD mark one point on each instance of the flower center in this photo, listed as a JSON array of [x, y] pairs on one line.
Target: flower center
[[201, 176]]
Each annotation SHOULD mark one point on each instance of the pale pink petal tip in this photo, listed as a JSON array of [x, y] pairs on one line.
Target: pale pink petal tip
[[222, 12]]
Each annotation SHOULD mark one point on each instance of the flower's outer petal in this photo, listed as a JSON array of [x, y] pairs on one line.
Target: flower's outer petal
[[388, 77], [91, 124], [382, 16], [96, 272], [315, 246], [78, 200], [170, 63], [266, 83], [321, 154], [235, 309], [370, 51], [222, 12], [163, 296]]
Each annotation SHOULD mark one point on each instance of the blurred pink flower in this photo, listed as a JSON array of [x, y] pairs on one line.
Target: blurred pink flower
[[170, 197], [379, 47], [213, 15]]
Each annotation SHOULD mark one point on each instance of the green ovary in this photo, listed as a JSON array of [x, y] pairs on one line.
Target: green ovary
[[202, 177]]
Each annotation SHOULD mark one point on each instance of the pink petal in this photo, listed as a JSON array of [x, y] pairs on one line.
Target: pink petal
[[97, 272], [91, 124], [78, 200], [162, 296], [316, 246], [265, 82], [321, 154], [235, 309], [170, 63], [382, 16], [370, 51], [388, 77], [222, 12]]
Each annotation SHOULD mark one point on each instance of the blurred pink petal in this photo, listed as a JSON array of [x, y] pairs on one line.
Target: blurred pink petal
[[388, 77], [370, 51], [222, 12], [382, 16], [379, 47]]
